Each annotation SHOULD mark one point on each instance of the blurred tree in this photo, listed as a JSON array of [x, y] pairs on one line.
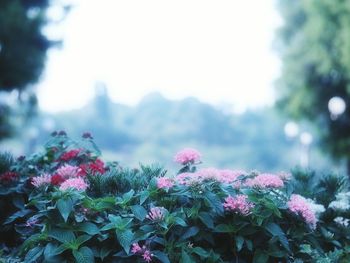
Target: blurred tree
[[23, 50], [314, 43]]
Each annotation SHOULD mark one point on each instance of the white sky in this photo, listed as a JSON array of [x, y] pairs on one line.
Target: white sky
[[216, 50]]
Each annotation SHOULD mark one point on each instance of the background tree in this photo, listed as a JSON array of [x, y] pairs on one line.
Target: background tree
[[314, 43], [23, 50]]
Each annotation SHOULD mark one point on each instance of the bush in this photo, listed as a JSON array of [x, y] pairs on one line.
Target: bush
[[65, 204]]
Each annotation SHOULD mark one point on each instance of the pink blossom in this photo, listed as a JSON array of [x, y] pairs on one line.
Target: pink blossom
[[265, 181], [136, 248], [156, 214], [68, 171], [164, 183], [186, 156], [185, 178], [222, 176], [238, 204], [299, 205], [147, 256], [284, 176], [44, 179], [74, 183], [230, 176]]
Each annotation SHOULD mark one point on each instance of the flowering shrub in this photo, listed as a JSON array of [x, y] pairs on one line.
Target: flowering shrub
[[66, 205]]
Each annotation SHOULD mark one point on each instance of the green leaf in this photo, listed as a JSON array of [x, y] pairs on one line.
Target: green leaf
[[65, 206], [179, 221], [214, 202], [201, 252], [89, 228], [260, 257], [127, 196], [249, 244], [206, 219], [33, 254], [192, 231], [185, 258], [143, 196], [223, 228], [239, 242], [52, 250], [104, 252], [125, 239], [17, 215], [139, 212], [84, 255], [275, 230], [82, 239], [161, 256], [62, 235]]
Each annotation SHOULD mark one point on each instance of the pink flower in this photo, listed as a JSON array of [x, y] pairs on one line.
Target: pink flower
[[186, 156], [147, 256], [185, 178], [230, 176], [74, 183], [265, 181], [156, 214], [44, 179], [284, 176], [298, 205], [164, 183], [238, 204], [68, 171], [136, 248]]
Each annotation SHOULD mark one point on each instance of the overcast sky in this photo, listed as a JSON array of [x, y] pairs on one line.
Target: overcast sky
[[219, 51]]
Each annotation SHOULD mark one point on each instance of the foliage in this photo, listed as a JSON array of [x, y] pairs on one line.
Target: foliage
[[142, 215], [23, 48], [314, 46]]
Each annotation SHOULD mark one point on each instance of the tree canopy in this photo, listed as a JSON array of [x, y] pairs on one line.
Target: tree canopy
[[314, 43], [23, 49]]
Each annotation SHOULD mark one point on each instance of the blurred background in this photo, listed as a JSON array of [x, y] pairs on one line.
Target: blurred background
[[251, 84]]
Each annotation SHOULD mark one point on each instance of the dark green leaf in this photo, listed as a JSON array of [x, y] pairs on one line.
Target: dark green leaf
[[161, 256], [275, 230], [62, 235], [206, 219], [89, 228], [17, 215], [192, 231], [84, 255], [33, 254], [65, 206], [260, 257], [125, 239], [139, 212], [201, 252], [239, 242]]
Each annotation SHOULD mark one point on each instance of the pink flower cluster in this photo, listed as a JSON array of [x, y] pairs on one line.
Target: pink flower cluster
[[238, 204], [77, 183], [299, 205], [187, 156], [67, 171], [265, 181], [156, 214], [146, 254], [66, 177], [165, 182], [39, 181], [223, 176]]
